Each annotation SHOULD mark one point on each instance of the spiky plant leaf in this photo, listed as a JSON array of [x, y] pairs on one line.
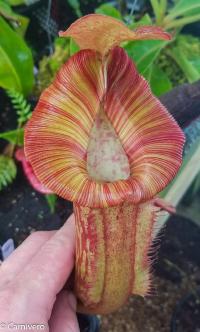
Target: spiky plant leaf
[[14, 136], [8, 171], [22, 107]]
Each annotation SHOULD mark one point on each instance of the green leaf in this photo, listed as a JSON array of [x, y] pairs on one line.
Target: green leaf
[[107, 9], [195, 187], [185, 7], [186, 175], [73, 47], [159, 81], [51, 200], [144, 52], [14, 136], [191, 69], [8, 171], [6, 11], [16, 2], [181, 22], [16, 62], [156, 8], [75, 4], [18, 22]]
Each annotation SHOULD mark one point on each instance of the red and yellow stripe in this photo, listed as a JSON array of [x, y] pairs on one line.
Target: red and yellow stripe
[[58, 134], [112, 255]]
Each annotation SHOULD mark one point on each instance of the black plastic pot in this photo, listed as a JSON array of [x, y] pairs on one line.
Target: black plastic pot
[[186, 317], [88, 323]]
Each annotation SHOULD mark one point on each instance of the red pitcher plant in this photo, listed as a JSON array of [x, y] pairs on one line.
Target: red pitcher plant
[[99, 138]]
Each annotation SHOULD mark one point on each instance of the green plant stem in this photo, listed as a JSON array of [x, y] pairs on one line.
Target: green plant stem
[[9, 150], [181, 21], [13, 146], [190, 72], [156, 8], [163, 9]]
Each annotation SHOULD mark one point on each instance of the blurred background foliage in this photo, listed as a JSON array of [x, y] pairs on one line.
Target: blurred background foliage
[[31, 54]]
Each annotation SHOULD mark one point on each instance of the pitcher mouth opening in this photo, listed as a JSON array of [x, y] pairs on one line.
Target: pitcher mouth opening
[[106, 158]]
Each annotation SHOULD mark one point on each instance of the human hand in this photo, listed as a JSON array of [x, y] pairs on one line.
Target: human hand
[[32, 279]]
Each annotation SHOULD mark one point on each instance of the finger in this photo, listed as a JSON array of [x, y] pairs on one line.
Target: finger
[[63, 318], [16, 262], [47, 272]]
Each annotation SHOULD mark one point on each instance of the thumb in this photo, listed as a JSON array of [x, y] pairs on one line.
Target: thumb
[[63, 318]]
